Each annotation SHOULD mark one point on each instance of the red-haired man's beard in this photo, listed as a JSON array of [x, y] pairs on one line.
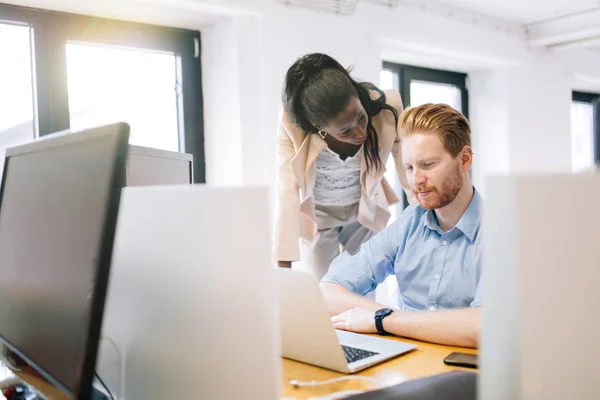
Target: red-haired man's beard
[[431, 197]]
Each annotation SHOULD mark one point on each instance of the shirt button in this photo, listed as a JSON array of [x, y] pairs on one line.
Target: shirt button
[[432, 308], [437, 276], [445, 243]]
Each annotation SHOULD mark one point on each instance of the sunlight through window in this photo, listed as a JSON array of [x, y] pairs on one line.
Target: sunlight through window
[[582, 135], [17, 99], [109, 84]]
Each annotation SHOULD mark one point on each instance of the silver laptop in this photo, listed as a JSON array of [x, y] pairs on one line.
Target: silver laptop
[[308, 336]]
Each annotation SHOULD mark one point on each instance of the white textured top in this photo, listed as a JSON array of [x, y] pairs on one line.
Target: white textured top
[[337, 182]]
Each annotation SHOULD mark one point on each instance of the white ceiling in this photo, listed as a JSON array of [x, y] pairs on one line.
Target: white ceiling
[[523, 11], [554, 24], [157, 12]]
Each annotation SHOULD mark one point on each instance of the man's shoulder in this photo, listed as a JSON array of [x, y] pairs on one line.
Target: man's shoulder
[[411, 217], [414, 211]]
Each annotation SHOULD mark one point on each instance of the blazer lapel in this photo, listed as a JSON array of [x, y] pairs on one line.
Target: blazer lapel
[[317, 144], [370, 180], [298, 162], [303, 166], [386, 134], [304, 160]]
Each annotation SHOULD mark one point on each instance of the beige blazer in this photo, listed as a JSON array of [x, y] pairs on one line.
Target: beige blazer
[[296, 173]]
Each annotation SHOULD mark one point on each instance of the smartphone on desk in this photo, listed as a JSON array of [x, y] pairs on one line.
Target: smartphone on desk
[[461, 360]]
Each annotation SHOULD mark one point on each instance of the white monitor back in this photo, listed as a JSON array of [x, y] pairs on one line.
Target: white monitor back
[[192, 300], [148, 167], [542, 267]]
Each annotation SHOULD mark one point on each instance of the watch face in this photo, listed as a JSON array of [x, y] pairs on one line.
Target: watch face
[[383, 312]]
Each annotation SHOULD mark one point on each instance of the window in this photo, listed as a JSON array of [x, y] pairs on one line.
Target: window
[[107, 84], [429, 92], [423, 85], [91, 71], [585, 130], [419, 86], [17, 100]]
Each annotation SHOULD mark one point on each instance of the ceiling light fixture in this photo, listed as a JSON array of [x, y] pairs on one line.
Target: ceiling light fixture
[[340, 7]]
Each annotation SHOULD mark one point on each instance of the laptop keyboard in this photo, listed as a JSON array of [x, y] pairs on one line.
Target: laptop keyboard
[[353, 354]]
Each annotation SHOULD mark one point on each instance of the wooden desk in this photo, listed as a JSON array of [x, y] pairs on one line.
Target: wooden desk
[[31, 377], [425, 360]]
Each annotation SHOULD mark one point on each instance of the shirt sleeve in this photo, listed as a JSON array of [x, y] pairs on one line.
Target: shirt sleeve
[[364, 271], [478, 300]]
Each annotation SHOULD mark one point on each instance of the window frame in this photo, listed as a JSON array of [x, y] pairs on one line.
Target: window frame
[[407, 73], [51, 32], [594, 100]]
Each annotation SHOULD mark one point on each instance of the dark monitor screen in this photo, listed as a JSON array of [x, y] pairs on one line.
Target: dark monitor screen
[[58, 210]]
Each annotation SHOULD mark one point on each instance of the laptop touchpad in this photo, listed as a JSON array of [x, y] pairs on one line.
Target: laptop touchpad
[[353, 339]]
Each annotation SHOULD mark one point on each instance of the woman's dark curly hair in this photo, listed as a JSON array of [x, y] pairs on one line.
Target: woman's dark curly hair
[[317, 88]]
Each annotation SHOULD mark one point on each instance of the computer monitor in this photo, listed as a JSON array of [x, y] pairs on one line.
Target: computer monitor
[[542, 255], [152, 167], [58, 211], [191, 303]]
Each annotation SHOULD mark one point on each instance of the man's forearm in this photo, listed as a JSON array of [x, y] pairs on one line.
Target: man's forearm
[[340, 299], [451, 327]]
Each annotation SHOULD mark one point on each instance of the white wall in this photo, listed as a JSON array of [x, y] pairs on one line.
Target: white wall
[[233, 85], [489, 94], [539, 115], [520, 118], [221, 83], [519, 97]]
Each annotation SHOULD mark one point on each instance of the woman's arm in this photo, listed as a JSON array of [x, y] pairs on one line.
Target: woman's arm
[[396, 101], [287, 218]]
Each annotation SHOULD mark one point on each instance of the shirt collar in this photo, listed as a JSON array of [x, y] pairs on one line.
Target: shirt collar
[[431, 222], [467, 224]]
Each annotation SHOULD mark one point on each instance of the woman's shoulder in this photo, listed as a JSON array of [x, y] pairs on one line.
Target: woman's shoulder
[[392, 98], [287, 124], [284, 118]]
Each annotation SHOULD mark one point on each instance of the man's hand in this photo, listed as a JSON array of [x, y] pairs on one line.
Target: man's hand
[[360, 320]]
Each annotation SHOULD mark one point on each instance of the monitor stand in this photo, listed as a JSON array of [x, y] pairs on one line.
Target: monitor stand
[[97, 394]]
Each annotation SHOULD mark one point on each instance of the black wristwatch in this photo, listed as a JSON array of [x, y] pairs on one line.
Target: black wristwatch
[[379, 316]]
